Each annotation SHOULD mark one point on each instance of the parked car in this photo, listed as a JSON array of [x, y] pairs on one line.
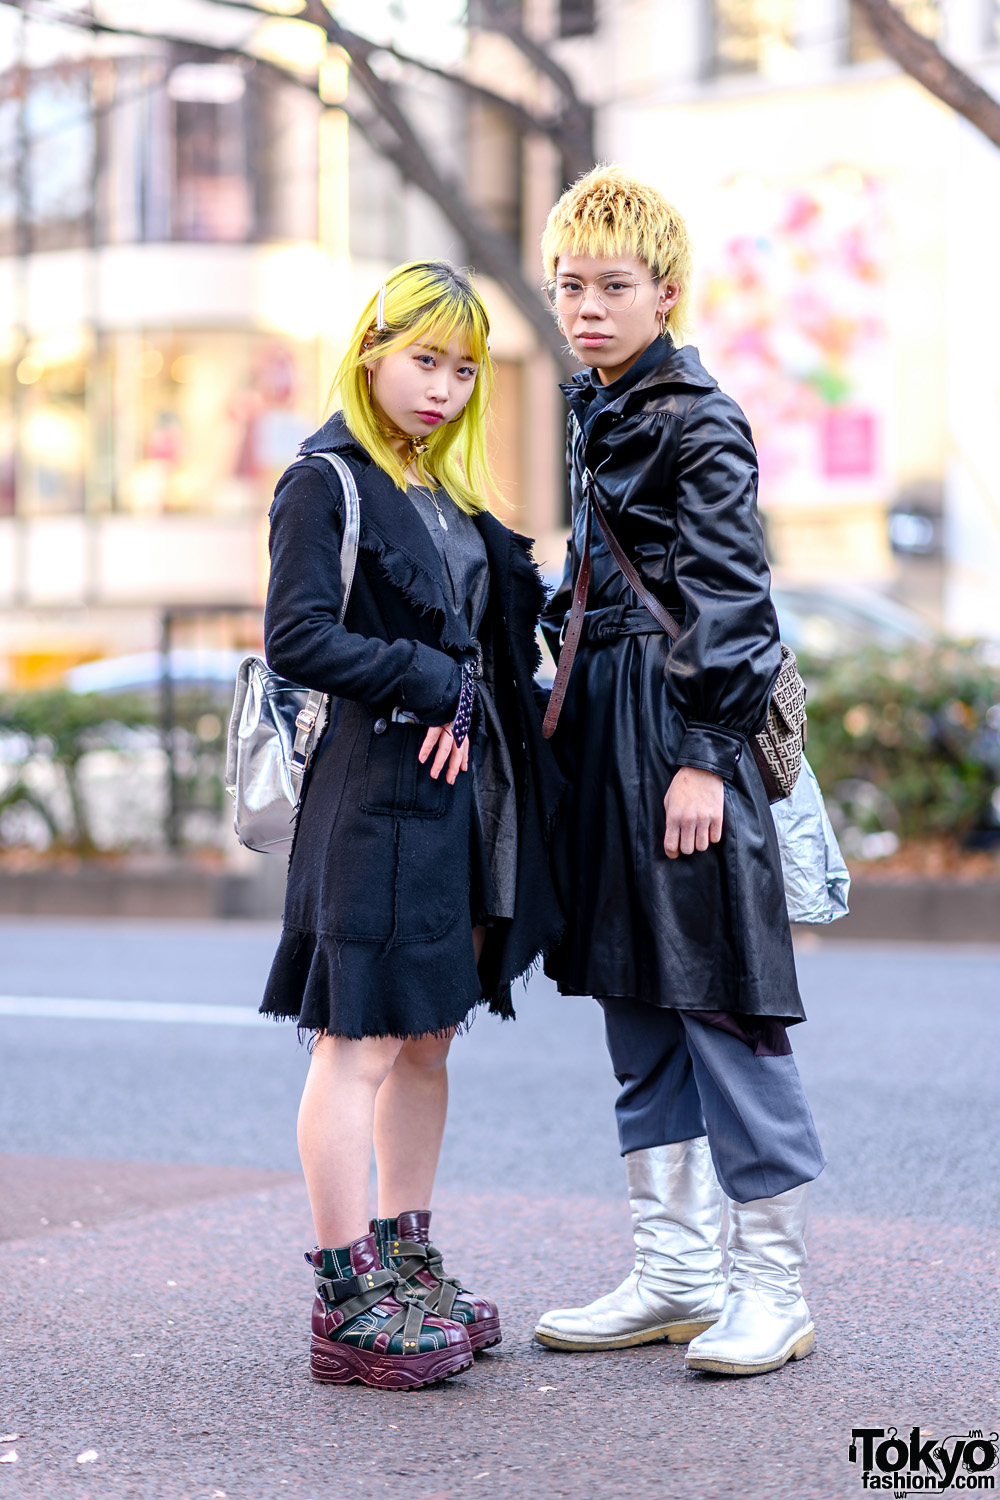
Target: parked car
[[824, 622], [211, 671]]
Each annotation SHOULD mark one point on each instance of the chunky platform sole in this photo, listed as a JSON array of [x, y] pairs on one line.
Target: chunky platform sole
[[339, 1364], [673, 1333], [802, 1347], [484, 1335]]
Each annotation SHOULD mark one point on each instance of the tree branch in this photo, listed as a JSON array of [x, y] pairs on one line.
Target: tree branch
[[526, 122], [393, 137], [500, 18], [494, 253], [925, 62], [576, 136]]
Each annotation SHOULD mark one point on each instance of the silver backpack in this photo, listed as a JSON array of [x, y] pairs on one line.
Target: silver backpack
[[275, 724]]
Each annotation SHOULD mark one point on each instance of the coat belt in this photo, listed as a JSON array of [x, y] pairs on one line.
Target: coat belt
[[601, 627]]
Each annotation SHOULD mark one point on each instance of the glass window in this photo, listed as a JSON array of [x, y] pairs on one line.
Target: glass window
[[992, 12], [60, 157], [10, 112], [284, 158], [8, 425], [748, 35], [212, 197], [207, 421], [493, 166], [49, 432], [577, 17]]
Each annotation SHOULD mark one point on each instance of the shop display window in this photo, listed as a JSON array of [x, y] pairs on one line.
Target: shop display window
[[47, 451], [206, 421]]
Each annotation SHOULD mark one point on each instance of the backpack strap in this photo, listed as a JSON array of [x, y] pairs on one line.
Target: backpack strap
[[314, 708]]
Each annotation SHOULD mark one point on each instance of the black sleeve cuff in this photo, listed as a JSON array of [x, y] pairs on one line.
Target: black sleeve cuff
[[431, 685], [706, 748]]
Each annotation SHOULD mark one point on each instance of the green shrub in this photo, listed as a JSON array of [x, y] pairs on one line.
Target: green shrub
[[60, 728], [922, 726]]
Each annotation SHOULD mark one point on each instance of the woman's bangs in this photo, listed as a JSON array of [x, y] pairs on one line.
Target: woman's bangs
[[439, 326]]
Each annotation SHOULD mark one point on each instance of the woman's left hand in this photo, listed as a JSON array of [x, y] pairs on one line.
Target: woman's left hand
[[447, 753]]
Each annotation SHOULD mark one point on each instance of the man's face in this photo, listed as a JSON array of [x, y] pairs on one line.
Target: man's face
[[610, 309]]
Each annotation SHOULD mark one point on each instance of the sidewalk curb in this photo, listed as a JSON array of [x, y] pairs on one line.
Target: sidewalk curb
[[937, 911]]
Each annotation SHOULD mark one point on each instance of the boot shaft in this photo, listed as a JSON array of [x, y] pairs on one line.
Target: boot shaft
[[767, 1241], [676, 1206]]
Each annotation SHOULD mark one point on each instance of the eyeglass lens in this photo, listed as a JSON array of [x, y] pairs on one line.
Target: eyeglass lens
[[613, 291]]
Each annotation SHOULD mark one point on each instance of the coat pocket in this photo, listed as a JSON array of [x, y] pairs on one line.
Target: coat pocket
[[395, 782]]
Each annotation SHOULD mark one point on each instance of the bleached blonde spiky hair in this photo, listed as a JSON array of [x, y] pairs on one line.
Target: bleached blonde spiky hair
[[609, 214]]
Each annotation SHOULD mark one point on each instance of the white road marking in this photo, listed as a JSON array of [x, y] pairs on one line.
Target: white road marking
[[47, 1007]]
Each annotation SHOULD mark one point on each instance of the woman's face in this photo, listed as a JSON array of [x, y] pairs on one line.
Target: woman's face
[[419, 387]]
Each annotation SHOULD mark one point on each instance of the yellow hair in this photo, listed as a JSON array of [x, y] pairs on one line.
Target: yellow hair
[[609, 214], [425, 302]]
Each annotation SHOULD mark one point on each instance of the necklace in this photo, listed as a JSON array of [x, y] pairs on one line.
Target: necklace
[[416, 447], [425, 489]]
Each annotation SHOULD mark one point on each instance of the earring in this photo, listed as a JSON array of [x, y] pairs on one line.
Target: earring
[[663, 325]]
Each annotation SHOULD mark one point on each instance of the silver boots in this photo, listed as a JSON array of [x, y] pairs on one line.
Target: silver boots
[[765, 1321], [675, 1288]]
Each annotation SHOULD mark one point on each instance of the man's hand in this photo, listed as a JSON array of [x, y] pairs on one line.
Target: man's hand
[[693, 806], [447, 752]]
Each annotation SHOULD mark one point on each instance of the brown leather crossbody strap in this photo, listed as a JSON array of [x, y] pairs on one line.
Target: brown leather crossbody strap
[[662, 616], [574, 627]]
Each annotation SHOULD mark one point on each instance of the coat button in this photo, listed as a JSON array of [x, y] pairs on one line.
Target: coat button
[[380, 726]]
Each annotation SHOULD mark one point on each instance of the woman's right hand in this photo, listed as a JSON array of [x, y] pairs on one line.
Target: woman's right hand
[[446, 752]]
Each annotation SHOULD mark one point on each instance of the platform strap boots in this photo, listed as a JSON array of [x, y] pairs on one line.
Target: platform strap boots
[[366, 1327], [676, 1288], [405, 1247], [765, 1321]]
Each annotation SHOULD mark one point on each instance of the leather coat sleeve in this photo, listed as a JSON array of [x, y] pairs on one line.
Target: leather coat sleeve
[[302, 637], [721, 670]]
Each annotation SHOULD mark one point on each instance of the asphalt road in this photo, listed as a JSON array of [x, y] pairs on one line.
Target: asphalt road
[[190, 1129]]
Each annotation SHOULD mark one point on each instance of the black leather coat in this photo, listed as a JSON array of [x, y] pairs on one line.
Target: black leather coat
[[675, 471]]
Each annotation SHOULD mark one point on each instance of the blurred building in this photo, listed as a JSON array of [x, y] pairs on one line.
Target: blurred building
[[158, 227], [845, 227], [185, 243]]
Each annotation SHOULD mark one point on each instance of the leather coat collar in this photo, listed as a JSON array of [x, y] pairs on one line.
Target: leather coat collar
[[679, 367]]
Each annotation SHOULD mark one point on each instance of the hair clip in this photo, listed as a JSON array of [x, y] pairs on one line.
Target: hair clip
[[380, 309]]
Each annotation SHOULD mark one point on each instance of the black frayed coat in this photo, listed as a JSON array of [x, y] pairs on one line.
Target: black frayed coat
[[377, 933], [675, 471]]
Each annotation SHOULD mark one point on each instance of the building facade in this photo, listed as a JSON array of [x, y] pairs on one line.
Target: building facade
[[185, 243], [844, 224]]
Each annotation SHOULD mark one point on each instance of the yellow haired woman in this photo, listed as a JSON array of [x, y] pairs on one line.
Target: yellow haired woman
[[418, 885]]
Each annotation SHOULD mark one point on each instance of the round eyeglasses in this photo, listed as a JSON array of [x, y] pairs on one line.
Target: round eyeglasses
[[614, 291]]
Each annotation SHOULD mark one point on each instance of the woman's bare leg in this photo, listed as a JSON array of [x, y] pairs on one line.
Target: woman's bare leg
[[409, 1122], [335, 1131], [410, 1113]]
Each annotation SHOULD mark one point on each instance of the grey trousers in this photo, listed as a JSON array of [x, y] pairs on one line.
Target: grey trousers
[[681, 1078]]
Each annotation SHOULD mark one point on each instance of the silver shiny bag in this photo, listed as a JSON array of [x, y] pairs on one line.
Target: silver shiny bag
[[276, 724], [817, 882]]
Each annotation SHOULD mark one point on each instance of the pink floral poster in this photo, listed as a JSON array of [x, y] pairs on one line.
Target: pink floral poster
[[791, 319]]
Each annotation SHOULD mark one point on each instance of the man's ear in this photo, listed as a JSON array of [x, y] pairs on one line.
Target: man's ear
[[669, 293]]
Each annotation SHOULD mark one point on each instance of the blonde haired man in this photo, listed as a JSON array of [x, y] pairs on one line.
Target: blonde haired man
[[666, 856]]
